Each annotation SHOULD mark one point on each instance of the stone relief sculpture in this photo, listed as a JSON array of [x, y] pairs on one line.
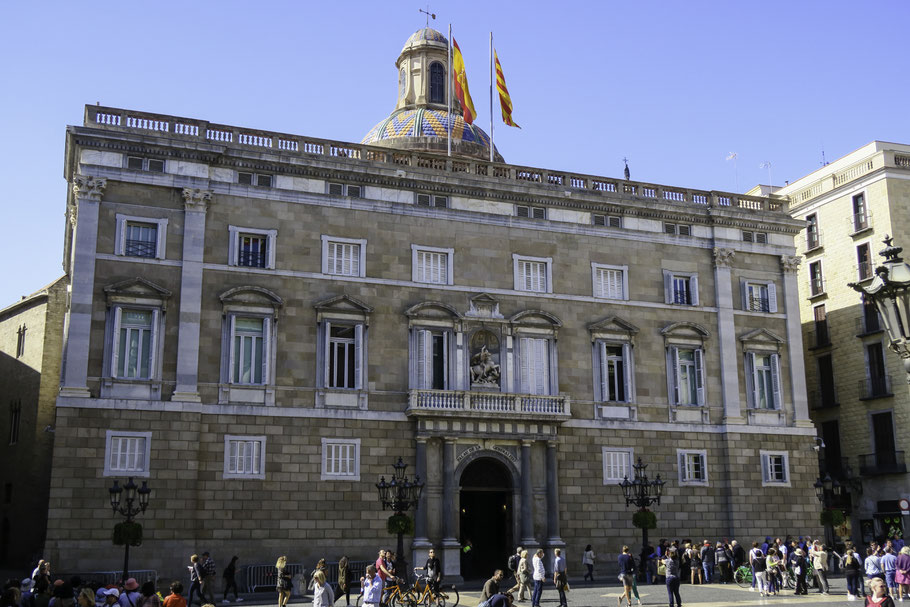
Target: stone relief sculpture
[[484, 369]]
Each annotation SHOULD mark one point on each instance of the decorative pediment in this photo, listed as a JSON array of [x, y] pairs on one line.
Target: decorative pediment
[[484, 306], [432, 310], [761, 339], [685, 329], [251, 296], [343, 303], [612, 325], [536, 318], [136, 290]]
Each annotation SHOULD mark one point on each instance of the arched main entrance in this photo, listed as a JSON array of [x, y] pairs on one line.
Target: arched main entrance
[[486, 517]]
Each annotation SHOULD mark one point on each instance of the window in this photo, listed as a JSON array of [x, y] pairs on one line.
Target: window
[[343, 189], [826, 381], [431, 265], [763, 380], [822, 337], [860, 218], [531, 212], [340, 459], [878, 383], [617, 465], [343, 365], [15, 420], [693, 469], [20, 341], [870, 321], [677, 229], [244, 457], [816, 279], [427, 200], [140, 237], [248, 363], [252, 248], [127, 453], [775, 468], [151, 165], [863, 262], [680, 288], [610, 282], [343, 256], [534, 365], [341, 356], [437, 83], [614, 366], [687, 371], [134, 337], [532, 274], [432, 359], [756, 237], [759, 296], [813, 236], [257, 179], [612, 221]]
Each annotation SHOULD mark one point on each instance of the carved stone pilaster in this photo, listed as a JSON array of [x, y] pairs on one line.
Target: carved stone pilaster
[[723, 257], [72, 214], [88, 188], [196, 199], [790, 263]]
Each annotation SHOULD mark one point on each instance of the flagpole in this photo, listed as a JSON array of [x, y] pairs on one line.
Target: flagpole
[[491, 96], [449, 91]]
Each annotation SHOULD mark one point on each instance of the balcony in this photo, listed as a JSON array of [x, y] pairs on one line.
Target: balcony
[[864, 270], [867, 323], [759, 304], [875, 387], [819, 337], [813, 240], [816, 286], [453, 403], [885, 462], [859, 222], [823, 399]]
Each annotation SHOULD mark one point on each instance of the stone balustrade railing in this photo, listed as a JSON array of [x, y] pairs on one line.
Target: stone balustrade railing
[[822, 185], [454, 401], [565, 184]]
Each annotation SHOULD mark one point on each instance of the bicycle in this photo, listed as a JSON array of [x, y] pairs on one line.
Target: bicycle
[[393, 596], [743, 576], [426, 597]]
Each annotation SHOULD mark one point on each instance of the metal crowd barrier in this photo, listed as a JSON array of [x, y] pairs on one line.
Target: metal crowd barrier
[[109, 578], [261, 578]]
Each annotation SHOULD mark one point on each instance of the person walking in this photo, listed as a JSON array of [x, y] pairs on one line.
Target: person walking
[[707, 562], [322, 591], [626, 573], [560, 576], [671, 564], [588, 561], [513, 567], [344, 580], [760, 574], [754, 554], [208, 581], [525, 577], [282, 581], [197, 574], [539, 575], [371, 583], [229, 575], [852, 565]]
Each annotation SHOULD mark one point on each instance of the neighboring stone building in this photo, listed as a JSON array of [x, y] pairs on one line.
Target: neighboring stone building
[[262, 323], [31, 338], [857, 388]]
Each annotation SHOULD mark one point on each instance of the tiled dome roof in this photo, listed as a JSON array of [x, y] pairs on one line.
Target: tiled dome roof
[[413, 128], [427, 34]]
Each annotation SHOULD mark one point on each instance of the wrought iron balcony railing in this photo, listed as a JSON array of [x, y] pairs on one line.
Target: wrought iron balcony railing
[[883, 462], [875, 387]]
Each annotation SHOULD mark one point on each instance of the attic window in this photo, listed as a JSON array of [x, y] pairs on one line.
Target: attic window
[[611, 221], [427, 200], [677, 229], [531, 212]]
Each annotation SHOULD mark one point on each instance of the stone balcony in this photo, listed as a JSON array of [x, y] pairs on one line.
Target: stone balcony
[[460, 404]]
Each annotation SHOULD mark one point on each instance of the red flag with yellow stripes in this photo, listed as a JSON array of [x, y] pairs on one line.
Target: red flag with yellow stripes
[[461, 84], [504, 100]]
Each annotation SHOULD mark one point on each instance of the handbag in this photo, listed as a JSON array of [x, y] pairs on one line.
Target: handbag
[[661, 568], [566, 587]]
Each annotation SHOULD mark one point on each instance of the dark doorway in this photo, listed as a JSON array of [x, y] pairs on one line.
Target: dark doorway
[[486, 518]]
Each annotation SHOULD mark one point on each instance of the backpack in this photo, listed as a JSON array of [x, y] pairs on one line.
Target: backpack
[[513, 562]]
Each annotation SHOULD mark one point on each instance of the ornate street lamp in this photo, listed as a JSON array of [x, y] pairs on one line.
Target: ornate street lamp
[[400, 495], [826, 489], [135, 501], [642, 493]]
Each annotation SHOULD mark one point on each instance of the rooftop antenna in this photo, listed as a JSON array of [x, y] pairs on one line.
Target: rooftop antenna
[[625, 171], [732, 156], [824, 161], [428, 14], [767, 165]]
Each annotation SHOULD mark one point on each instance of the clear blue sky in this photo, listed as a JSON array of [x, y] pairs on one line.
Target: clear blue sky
[[673, 86]]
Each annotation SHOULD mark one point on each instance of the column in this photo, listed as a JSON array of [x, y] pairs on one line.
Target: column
[[451, 549], [87, 192], [421, 544], [789, 266], [553, 538], [196, 204], [726, 336], [527, 509]]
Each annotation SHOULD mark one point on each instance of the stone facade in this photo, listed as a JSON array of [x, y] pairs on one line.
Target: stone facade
[[271, 320], [857, 386], [31, 341]]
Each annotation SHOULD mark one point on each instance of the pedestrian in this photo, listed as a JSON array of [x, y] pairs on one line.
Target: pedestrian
[[229, 575], [491, 586], [588, 561], [344, 580], [149, 595], [27, 598], [322, 590], [197, 574], [208, 582], [560, 576], [902, 573], [320, 566], [433, 571], [282, 580], [722, 558], [760, 574], [130, 596], [772, 571], [626, 574], [852, 565], [371, 583], [801, 569], [671, 564], [889, 568], [695, 565], [175, 598], [707, 561], [820, 566], [872, 565], [754, 554], [513, 567], [525, 577], [540, 575], [739, 555], [86, 598], [879, 596]]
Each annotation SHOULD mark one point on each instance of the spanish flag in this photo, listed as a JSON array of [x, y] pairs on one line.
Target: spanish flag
[[504, 100], [461, 84]]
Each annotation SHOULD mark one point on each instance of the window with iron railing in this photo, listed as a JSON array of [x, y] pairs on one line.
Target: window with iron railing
[[863, 262], [813, 236], [816, 280], [860, 218], [252, 251], [141, 239]]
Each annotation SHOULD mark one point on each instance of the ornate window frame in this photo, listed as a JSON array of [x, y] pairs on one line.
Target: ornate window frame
[[160, 235], [524, 327], [347, 311], [235, 232], [613, 331], [763, 342], [434, 317], [686, 336]]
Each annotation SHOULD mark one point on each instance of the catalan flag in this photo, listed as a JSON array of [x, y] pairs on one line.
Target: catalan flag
[[504, 100], [461, 84]]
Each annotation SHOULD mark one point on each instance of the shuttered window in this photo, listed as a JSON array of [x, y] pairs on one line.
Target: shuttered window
[[532, 276], [244, 457], [763, 380], [340, 459], [609, 282], [617, 464], [687, 369], [534, 362], [693, 467], [431, 359]]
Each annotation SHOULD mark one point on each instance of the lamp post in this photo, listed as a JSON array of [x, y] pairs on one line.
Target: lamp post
[[400, 495], [642, 492], [826, 489], [134, 502]]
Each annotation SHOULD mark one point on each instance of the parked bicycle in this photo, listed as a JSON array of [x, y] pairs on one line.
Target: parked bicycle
[[743, 577]]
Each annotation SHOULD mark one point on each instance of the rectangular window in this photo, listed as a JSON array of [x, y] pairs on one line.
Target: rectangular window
[[431, 265], [681, 288], [870, 317], [531, 212], [342, 356], [821, 327], [677, 229], [20, 341], [760, 296], [763, 380], [816, 279], [756, 237], [134, 343], [257, 179], [432, 359], [127, 453], [826, 381], [612, 221], [863, 262], [813, 237], [687, 371], [141, 239], [244, 457], [343, 189], [532, 274], [429, 200], [860, 217], [609, 281], [252, 251], [340, 459], [145, 164], [343, 256], [534, 362], [775, 468], [693, 467], [15, 420], [879, 385], [249, 345], [617, 465], [615, 372]]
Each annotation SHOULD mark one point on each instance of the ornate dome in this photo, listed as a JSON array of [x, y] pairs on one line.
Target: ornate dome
[[426, 34], [426, 129]]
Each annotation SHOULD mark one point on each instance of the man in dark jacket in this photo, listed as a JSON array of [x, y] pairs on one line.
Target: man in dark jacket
[[707, 561], [492, 586]]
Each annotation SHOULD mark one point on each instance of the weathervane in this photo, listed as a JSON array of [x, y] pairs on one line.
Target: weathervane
[[428, 14], [626, 170]]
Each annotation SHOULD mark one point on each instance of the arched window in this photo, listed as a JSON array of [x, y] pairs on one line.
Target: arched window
[[437, 83]]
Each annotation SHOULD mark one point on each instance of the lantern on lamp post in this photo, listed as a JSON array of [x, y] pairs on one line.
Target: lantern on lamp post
[[128, 501], [400, 494]]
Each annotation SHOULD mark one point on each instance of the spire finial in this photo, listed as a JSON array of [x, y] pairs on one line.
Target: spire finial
[[625, 171], [428, 14]]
